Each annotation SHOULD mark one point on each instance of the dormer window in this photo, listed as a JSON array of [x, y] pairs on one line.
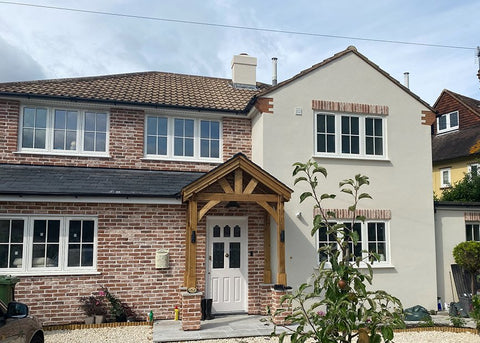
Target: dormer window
[[447, 122]]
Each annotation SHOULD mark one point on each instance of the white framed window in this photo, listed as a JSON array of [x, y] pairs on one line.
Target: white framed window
[[472, 232], [447, 122], [373, 236], [48, 245], [63, 131], [183, 138], [445, 177], [351, 136], [473, 169]]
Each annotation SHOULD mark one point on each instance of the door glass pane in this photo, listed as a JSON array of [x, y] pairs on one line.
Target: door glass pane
[[218, 252], [216, 231], [236, 231], [234, 255], [226, 231]]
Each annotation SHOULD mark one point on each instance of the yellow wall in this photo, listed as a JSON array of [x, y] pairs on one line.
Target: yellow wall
[[458, 169]]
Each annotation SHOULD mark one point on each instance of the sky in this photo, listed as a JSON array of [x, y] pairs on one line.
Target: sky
[[163, 35]]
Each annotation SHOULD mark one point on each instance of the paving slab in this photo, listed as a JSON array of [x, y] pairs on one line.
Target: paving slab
[[223, 326]]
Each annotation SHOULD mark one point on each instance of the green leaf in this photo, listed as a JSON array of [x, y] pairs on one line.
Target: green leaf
[[347, 190], [364, 196], [304, 196], [327, 196], [299, 179], [321, 170], [387, 333]]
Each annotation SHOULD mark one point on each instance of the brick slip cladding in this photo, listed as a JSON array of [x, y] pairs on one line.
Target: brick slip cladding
[[128, 237], [126, 143]]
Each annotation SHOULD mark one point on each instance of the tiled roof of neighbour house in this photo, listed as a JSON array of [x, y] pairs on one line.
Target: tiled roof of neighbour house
[[84, 181], [456, 144], [472, 104], [350, 49], [142, 89]]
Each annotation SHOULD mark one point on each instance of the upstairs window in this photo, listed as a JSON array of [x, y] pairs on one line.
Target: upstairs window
[[341, 135], [446, 178], [447, 122], [182, 138], [472, 232], [473, 169], [63, 131]]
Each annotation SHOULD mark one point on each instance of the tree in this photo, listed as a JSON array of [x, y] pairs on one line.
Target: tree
[[336, 306], [467, 189], [467, 255]]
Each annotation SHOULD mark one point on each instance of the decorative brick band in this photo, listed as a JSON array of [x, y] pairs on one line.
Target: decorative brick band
[[264, 105], [471, 216], [344, 213], [325, 105], [428, 118]]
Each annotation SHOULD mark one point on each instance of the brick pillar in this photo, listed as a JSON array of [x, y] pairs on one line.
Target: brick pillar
[[276, 304], [191, 311]]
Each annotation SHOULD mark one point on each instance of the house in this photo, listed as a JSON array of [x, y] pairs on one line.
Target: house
[[455, 153], [455, 140], [167, 188]]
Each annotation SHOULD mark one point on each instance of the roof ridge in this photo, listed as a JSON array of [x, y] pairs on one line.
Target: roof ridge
[[461, 98]]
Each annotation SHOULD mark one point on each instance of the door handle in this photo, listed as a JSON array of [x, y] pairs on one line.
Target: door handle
[[226, 254]]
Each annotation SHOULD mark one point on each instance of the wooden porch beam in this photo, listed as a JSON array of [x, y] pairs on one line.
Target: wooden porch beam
[[250, 187], [209, 205], [225, 185], [191, 261], [238, 181], [237, 197], [271, 211]]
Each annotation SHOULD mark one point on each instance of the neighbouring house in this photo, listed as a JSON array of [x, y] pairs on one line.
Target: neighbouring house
[[167, 188], [455, 140], [455, 153]]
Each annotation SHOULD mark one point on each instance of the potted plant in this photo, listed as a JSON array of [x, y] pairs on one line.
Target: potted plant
[[118, 311], [94, 308]]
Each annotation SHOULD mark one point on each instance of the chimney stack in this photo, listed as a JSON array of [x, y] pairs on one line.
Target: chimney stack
[[274, 71], [244, 71], [406, 79], [478, 55]]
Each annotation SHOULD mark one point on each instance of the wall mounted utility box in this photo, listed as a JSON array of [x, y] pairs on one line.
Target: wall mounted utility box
[[162, 259]]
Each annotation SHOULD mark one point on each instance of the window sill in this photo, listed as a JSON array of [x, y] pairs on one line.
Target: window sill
[[352, 157], [179, 159], [53, 153], [44, 272]]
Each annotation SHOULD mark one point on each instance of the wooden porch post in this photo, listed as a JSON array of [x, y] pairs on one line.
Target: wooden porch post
[[281, 275], [267, 271], [190, 278]]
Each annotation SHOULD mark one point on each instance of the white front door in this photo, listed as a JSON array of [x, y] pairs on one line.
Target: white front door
[[227, 263]]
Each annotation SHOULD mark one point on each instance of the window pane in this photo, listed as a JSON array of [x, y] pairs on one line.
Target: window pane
[[89, 141], [88, 232], [331, 124], [369, 127], [216, 231], [90, 121], [204, 129], [218, 252], [16, 256], [189, 128], [234, 261], [39, 231], [162, 126], [29, 117], [226, 231], [59, 139], [204, 148], [41, 120], [321, 123], [188, 147], [236, 231], [215, 149], [60, 119], [330, 143], [40, 138], [52, 255], [442, 122], [71, 120], [345, 144], [101, 122], [27, 138], [71, 142], [74, 255], [476, 236], [178, 127], [151, 126], [53, 231], [214, 130], [162, 146], [321, 143], [4, 231], [151, 145], [75, 230], [178, 147], [87, 255], [38, 256], [454, 119], [3, 256], [345, 125], [378, 146], [469, 232], [378, 127]]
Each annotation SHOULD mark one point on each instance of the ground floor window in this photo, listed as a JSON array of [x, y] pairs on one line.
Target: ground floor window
[[472, 232], [373, 236], [34, 244]]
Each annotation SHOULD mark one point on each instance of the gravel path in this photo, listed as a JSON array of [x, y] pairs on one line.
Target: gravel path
[[143, 334]]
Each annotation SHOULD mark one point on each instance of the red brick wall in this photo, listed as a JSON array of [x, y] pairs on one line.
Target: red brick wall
[[126, 145], [128, 237], [448, 103]]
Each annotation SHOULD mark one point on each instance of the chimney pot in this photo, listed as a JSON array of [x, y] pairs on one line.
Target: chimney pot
[[406, 79], [274, 71]]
